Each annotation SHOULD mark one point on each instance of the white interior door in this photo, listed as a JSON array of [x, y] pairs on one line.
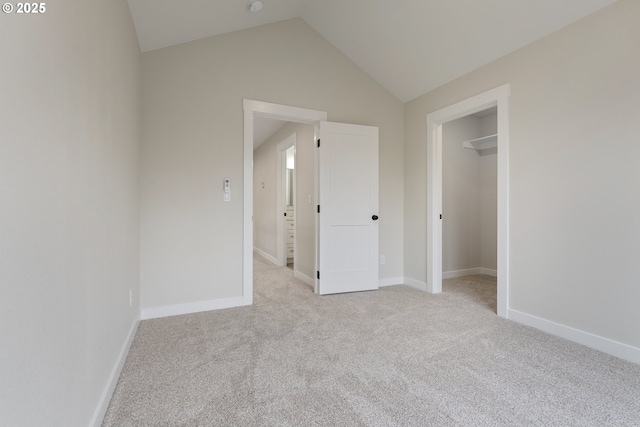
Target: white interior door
[[348, 208]]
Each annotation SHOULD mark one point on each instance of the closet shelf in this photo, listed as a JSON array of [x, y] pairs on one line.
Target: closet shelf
[[479, 144]]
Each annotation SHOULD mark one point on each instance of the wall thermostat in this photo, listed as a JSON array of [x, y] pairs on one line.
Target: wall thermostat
[[226, 190]]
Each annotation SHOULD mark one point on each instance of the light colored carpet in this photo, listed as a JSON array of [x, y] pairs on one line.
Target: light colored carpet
[[393, 357]]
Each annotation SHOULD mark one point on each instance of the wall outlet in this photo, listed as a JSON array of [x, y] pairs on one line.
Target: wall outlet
[[382, 260], [130, 297]]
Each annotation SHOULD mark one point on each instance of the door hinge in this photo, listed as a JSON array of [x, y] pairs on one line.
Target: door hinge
[[318, 208], [318, 142], [318, 275]]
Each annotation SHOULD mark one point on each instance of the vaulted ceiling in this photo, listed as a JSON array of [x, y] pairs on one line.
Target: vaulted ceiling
[[409, 46]]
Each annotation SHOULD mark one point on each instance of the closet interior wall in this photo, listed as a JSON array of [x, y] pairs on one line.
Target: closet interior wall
[[469, 198]]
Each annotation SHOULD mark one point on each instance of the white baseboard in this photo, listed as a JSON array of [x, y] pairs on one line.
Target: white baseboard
[[390, 281], [460, 273], [107, 393], [270, 258], [415, 283], [306, 279], [191, 307], [469, 272], [488, 272], [606, 345]]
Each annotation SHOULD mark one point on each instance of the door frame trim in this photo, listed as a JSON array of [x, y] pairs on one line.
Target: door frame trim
[[273, 111], [495, 97]]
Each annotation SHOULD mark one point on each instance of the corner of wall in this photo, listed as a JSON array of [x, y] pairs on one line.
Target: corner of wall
[[105, 398]]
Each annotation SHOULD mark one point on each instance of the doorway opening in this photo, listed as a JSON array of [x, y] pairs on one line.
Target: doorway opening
[[345, 195], [497, 98], [252, 110], [283, 167], [469, 204]]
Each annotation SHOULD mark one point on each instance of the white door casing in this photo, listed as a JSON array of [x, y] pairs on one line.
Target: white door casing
[[495, 97], [348, 205]]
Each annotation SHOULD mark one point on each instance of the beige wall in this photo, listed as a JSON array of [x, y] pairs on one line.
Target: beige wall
[[265, 211], [191, 241], [489, 211], [574, 198], [305, 212], [460, 196], [265, 195], [489, 198], [69, 135]]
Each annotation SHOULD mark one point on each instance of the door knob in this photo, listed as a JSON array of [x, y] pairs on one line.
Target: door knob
[[375, 217]]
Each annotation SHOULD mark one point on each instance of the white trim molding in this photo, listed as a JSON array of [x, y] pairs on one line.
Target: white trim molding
[[390, 281], [247, 208], [268, 257], [190, 307], [283, 112], [469, 272], [606, 345], [497, 97], [107, 393], [488, 272], [306, 279], [461, 273], [418, 284]]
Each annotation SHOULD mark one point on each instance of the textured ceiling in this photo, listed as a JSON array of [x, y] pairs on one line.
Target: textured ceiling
[[409, 46]]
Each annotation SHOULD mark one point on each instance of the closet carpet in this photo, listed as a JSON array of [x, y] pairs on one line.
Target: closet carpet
[[392, 357]]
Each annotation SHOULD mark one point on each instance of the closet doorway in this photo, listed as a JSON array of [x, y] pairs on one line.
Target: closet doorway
[[496, 98], [469, 195]]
